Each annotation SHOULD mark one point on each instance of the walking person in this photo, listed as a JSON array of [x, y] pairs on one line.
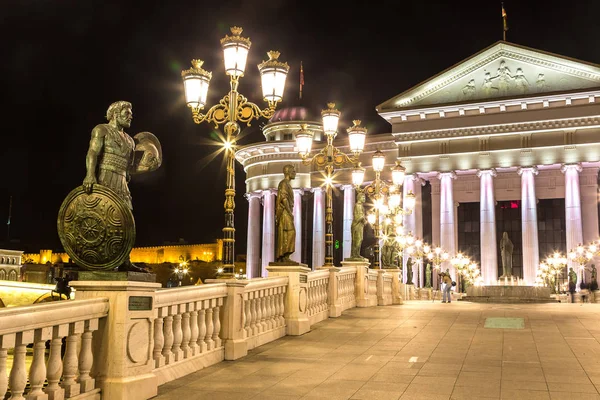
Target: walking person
[[447, 282]]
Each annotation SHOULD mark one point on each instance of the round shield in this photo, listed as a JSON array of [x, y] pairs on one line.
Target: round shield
[[97, 230]]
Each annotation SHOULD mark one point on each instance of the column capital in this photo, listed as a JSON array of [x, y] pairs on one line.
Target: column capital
[[253, 195], [533, 170], [451, 174], [350, 187], [267, 192], [415, 177], [574, 166], [490, 171], [317, 190], [299, 191]]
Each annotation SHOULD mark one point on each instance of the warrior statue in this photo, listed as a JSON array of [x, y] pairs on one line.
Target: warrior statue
[[506, 250], [95, 223], [358, 226], [284, 217]]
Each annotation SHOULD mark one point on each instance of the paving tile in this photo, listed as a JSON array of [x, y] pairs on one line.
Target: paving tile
[[512, 394], [475, 392]]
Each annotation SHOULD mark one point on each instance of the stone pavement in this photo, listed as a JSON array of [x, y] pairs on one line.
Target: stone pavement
[[419, 350]]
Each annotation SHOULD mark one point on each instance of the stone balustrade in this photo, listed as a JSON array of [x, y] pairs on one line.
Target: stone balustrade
[[66, 326], [317, 291], [263, 310]]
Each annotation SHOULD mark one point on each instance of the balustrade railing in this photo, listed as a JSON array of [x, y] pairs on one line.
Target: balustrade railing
[[263, 309], [346, 292], [317, 288], [64, 327]]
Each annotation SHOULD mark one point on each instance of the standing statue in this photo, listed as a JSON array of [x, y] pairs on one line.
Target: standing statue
[[389, 247], [594, 278], [487, 87], [95, 221], [358, 226], [506, 250], [468, 92], [428, 276], [284, 217], [409, 271], [504, 77], [521, 82]]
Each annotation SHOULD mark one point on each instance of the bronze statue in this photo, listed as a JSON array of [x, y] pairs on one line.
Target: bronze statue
[[389, 247], [284, 216], [95, 222], [358, 226], [409, 271], [506, 250], [428, 276]]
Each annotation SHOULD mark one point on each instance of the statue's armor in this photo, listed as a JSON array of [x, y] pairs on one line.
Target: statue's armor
[[115, 162]]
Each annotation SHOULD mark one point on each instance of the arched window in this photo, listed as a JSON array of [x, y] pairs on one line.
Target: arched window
[[2, 275], [12, 275]]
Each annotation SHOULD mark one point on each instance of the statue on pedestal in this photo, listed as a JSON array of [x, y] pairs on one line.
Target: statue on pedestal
[[95, 221], [506, 250], [428, 276], [409, 271], [358, 226], [389, 247], [284, 217], [594, 278]]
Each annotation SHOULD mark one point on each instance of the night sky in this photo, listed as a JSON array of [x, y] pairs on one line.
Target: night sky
[[65, 61]]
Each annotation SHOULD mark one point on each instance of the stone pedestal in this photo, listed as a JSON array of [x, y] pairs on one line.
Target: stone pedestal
[[509, 294], [116, 276], [296, 297], [410, 292], [122, 345], [233, 331], [362, 283], [396, 285], [335, 305]]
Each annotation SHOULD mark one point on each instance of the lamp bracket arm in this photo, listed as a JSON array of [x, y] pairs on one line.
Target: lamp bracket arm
[[217, 114], [247, 111]]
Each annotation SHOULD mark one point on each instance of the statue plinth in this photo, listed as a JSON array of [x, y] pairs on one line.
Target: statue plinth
[[115, 276]]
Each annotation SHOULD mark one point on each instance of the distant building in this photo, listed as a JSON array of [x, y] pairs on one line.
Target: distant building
[[10, 265]]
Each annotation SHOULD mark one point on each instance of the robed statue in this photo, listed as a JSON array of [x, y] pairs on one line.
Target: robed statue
[[95, 221], [358, 226], [389, 247], [409, 271], [506, 251], [428, 276], [284, 217]]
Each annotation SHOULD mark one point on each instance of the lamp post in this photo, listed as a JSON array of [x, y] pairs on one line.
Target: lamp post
[[581, 256], [438, 256], [556, 264], [181, 271], [232, 109], [327, 159], [377, 191]]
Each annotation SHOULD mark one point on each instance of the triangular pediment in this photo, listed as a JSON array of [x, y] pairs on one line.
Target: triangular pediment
[[503, 70]]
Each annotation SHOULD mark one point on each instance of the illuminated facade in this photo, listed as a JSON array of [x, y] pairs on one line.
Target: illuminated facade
[[511, 135], [10, 265], [150, 255]]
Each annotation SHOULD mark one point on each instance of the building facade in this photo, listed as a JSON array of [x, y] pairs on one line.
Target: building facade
[[507, 140], [10, 265]]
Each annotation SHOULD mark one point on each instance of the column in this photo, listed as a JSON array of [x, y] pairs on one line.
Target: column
[[253, 242], [487, 224], [318, 258], [435, 223], [447, 221], [268, 245], [588, 185], [573, 224], [348, 215], [409, 223], [529, 224], [418, 213], [297, 255]]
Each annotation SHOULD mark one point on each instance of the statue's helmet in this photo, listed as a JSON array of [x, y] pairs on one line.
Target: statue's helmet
[[148, 152]]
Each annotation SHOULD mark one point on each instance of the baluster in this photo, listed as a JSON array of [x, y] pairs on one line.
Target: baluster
[[18, 372], [54, 367], [272, 310], [309, 295], [37, 370], [268, 313], [159, 341], [202, 328], [86, 357], [187, 333], [217, 325], [70, 364], [281, 302], [210, 343], [257, 301], [245, 315], [3, 373], [177, 335], [168, 327], [193, 330], [254, 308], [263, 311]]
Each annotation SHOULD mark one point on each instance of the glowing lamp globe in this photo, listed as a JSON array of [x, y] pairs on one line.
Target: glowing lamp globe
[[394, 200], [235, 52], [409, 200], [371, 219], [398, 173], [304, 139], [273, 74], [358, 176], [331, 117], [378, 161], [356, 137], [195, 83]]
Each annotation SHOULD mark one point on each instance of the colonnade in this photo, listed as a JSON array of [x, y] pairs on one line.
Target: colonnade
[[444, 221]]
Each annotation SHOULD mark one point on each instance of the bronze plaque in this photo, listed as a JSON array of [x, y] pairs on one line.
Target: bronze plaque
[[140, 303], [97, 230]]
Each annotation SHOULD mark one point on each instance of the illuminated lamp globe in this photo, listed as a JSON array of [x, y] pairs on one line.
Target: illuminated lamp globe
[[331, 117], [394, 200], [358, 175], [235, 52], [409, 200], [304, 139], [356, 137], [378, 161], [398, 173], [273, 74], [371, 219], [195, 83]]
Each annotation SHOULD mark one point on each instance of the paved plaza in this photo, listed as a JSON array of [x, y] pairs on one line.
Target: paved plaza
[[419, 350]]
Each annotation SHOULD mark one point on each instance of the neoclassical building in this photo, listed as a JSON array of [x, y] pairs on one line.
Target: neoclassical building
[[507, 140]]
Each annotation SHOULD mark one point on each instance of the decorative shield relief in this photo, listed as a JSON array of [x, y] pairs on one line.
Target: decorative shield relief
[[97, 230]]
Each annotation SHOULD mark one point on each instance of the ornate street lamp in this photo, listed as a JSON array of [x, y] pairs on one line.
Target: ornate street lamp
[[232, 109], [580, 255], [438, 256], [327, 159], [556, 264]]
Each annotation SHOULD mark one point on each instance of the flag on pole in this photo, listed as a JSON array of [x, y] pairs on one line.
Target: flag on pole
[[504, 20], [301, 79]]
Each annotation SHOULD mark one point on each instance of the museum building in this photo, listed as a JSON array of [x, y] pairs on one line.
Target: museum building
[[507, 140]]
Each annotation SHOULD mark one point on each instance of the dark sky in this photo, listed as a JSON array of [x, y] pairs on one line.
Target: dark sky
[[65, 61]]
